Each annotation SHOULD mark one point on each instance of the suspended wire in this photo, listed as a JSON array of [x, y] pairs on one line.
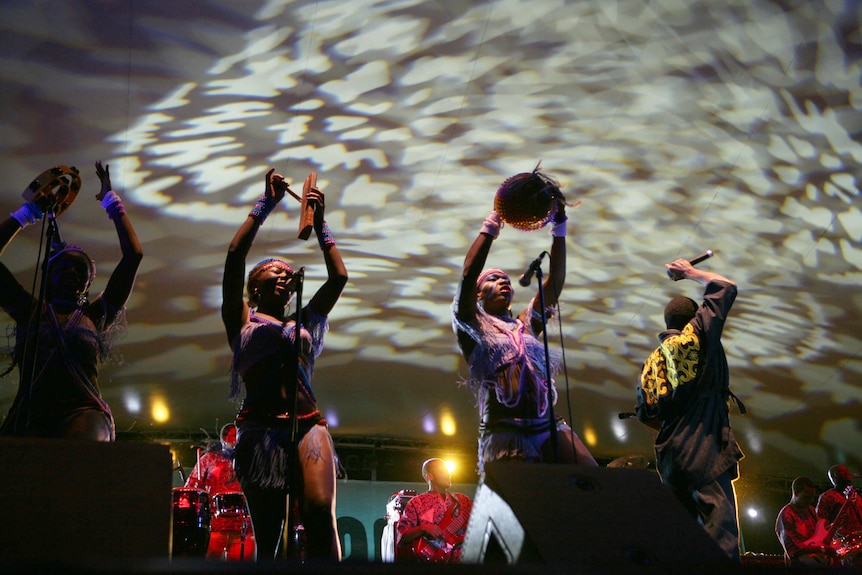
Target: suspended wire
[[458, 115]]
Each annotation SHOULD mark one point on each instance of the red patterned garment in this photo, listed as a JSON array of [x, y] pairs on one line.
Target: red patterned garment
[[432, 507]]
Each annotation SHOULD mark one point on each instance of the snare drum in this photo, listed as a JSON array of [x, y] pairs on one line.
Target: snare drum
[[191, 522], [229, 504]]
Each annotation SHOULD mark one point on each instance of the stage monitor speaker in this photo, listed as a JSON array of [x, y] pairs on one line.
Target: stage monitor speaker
[[68, 501], [589, 517]]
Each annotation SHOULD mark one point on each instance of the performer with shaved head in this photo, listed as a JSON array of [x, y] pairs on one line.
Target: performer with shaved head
[[433, 524], [683, 393]]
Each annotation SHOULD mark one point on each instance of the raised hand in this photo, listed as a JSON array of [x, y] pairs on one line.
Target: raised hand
[[678, 269], [316, 199], [104, 174], [275, 186], [560, 210]]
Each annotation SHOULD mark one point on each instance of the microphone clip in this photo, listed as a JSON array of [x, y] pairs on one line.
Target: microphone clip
[[534, 266]]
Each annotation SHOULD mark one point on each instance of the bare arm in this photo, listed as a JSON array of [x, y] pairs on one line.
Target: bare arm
[[474, 262], [9, 286], [10, 289], [682, 269], [122, 279], [324, 300], [11, 293], [234, 309], [556, 277], [9, 228]]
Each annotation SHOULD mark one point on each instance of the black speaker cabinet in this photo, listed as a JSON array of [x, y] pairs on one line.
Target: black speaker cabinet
[[590, 517], [67, 501]]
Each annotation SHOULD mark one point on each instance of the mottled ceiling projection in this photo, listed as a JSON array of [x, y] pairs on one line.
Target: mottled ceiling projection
[[682, 126]]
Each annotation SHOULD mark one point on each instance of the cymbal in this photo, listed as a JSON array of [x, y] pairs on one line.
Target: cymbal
[[630, 462]]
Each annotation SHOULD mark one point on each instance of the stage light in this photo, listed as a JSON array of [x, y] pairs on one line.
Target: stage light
[[133, 402], [447, 424], [428, 424], [331, 417], [590, 436], [160, 411]]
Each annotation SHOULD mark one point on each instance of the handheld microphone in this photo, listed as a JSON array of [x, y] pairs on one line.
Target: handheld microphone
[[626, 415], [704, 256], [696, 260], [527, 276]]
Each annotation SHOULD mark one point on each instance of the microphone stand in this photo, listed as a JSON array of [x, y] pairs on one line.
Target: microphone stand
[[293, 453], [31, 348], [552, 419]]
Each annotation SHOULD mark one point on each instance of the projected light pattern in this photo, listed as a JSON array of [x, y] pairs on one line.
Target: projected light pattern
[[683, 126]]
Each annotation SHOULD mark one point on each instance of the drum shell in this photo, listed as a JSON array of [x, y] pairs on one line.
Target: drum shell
[[229, 504], [191, 520]]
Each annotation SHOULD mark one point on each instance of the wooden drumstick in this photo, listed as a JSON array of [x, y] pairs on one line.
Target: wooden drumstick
[[306, 213]]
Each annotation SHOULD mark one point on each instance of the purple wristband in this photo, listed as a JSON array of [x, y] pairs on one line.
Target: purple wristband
[[262, 208], [113, 205], [324, 237]]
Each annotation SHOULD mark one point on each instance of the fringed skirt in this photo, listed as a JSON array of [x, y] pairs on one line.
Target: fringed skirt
[[262, 454]]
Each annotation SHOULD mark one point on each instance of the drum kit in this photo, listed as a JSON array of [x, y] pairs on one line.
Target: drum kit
[[193, 511]]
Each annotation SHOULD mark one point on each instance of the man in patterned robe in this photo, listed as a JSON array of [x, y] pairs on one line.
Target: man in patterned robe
[[684, 393]]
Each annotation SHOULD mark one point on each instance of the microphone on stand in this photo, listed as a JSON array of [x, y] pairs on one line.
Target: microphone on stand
[[527, 276], [57, 242], [179, 467], [696, 260], [297, 277]]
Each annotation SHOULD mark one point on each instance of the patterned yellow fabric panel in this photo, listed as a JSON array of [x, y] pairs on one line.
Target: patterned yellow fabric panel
[[672, 364]]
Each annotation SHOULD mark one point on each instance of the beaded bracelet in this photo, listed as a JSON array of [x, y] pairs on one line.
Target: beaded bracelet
[[262, 208], [28, 213], [324, 237], [113, 205], [492, 224]]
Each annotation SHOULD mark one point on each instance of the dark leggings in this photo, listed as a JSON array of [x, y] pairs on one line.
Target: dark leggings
[[268, 510], [268, 507]]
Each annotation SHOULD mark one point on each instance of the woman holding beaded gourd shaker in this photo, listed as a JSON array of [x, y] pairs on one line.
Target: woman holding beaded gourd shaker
[[505, 357], [261, 335], [60, 397]]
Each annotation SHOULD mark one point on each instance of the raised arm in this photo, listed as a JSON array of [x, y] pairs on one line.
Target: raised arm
[[474, 262], [324, 300], [122, 279], [682, 269], [556, 277], [234, 309], [10, 290]]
